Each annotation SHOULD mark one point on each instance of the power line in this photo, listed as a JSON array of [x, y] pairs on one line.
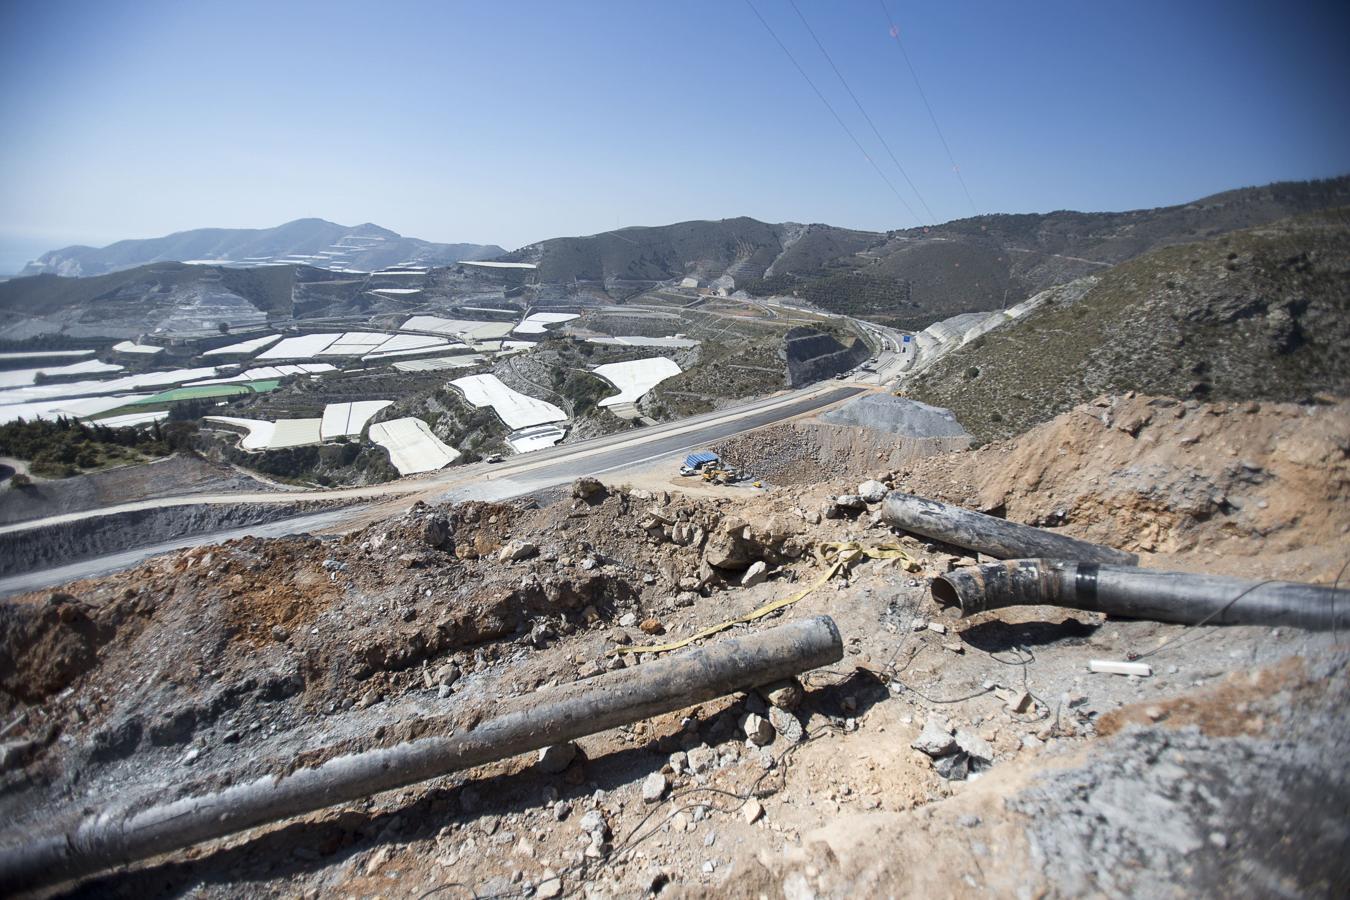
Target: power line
[[830, 107], [932, 218], [895, 33]]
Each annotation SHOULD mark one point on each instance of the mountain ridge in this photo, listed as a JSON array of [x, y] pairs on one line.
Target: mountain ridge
[[309, 241], [912, 277]]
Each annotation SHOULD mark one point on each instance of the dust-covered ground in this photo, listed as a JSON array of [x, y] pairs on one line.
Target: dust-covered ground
[[941, 757]]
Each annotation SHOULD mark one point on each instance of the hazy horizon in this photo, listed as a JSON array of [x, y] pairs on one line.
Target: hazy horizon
[[524, 121]]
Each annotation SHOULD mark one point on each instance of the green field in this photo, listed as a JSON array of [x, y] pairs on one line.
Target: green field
[[203, 391]]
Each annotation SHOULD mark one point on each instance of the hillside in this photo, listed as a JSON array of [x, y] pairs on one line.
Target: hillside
[[702, 249], [311, 241], [912, 278], [1259, 314]]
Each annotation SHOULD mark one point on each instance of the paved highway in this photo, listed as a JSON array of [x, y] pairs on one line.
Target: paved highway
[[536, 471]]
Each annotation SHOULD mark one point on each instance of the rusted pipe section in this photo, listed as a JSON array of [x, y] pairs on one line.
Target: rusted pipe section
[[1143, 594], [104, 839], [989, 535]]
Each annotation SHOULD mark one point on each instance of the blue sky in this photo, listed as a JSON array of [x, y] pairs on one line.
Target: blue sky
[[510, 122]]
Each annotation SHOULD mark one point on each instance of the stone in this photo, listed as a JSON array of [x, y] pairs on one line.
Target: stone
[[954, 766], [851, 502], [752, 811], [628, 620], [701, 759], [757, 729], [561, 810], [872, 491], [727, 550], [279, 633], [651, 626], [594, 823], [517, 550], [447, 674], [436, 532], [556, 758], [785, 694], [654, 787], [550, 885], [686, 599], [974, 746], [587, 488], [758, 573], [787, 724], [937, 628], [936, 738], [678, 761], [1019, 702]]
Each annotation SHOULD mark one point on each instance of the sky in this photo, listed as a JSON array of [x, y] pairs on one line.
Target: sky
[[510, 122]]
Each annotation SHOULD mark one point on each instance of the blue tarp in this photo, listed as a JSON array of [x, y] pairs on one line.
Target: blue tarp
[[694, 460]]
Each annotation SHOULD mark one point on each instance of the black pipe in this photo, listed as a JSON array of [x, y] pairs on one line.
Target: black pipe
[[567, 712], [989, 535], [1142, 594]]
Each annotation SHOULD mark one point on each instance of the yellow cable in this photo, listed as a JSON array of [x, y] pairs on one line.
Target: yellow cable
[[835, 555]]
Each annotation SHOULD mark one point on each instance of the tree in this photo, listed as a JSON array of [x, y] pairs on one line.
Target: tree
[[224, 327]]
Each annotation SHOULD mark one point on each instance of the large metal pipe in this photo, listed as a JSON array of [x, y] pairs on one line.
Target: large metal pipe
[[1142, 594], [563, 713], [989, 535]]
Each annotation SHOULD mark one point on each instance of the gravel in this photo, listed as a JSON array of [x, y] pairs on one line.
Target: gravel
[[886, 412]]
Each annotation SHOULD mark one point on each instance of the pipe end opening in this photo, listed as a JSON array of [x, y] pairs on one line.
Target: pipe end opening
[[944, 592]]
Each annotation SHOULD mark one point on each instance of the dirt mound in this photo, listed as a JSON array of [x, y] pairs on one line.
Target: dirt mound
[[803, 453], [1160, 476], [896, 415]]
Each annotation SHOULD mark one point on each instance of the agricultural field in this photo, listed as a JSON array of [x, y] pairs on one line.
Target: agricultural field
[[472, 360]]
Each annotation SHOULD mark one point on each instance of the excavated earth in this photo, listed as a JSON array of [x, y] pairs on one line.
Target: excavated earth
[[1221, 774]]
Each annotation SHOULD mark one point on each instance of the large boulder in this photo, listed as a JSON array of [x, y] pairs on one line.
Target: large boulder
[[588, 488], [872, 491]]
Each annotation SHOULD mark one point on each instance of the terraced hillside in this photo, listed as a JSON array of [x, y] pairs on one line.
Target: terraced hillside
[[1259, 314]]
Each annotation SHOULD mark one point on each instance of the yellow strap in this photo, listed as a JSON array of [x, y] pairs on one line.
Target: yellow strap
[[834, 555]]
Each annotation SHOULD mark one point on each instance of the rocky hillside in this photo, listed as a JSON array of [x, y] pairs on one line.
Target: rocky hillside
[[914, 277], [212, 666], [365, 247], [1259, 314]]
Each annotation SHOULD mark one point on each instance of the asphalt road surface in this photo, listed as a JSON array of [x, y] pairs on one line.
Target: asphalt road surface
[[533, 472]]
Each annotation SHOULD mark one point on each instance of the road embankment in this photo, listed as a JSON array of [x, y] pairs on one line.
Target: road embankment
[[52, 545]]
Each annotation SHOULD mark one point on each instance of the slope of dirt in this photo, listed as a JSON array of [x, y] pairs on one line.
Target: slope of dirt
[[205, 667], [171, 476]]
